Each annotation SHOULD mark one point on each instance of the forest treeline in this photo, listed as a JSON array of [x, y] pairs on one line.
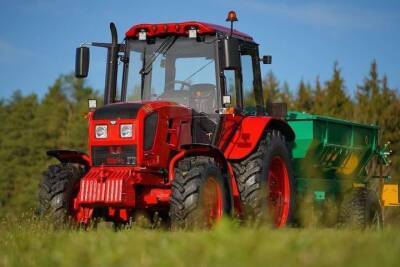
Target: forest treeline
[[31, 125]]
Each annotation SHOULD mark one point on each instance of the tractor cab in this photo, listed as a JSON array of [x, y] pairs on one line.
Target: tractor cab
[[199, 65]]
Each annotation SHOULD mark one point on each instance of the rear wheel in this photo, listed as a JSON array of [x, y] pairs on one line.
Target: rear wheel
[[266, 182], [200, 194], [361, 209], [57, 191]]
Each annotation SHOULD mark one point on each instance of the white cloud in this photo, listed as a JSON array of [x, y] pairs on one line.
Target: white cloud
[[9, 52]]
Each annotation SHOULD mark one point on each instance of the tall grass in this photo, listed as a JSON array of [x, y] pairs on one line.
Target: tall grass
[[29, 242]]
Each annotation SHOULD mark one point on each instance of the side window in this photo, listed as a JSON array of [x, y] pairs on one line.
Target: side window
[[230, 87], [134, 78], [157, 77], [247, 81]]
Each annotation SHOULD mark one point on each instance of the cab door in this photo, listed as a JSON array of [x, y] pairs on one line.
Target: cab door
[[251, 85]]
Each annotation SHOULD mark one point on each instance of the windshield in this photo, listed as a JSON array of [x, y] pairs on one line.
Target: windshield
[[175, 69]]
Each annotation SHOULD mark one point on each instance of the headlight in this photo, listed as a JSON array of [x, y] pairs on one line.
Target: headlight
[[101, 131], [126, 130]]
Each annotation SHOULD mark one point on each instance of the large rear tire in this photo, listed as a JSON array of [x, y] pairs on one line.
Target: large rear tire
[[200, 194], [57, 191], [361, 209], [266, 183]]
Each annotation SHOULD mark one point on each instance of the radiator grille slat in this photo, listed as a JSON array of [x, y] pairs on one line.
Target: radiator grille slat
[[109, 191]]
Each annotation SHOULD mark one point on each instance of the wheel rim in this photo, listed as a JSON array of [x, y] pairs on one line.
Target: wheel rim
[[211, 201], [278, 191]]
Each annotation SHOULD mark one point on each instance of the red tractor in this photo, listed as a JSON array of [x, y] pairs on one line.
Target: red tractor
[[184, 134]]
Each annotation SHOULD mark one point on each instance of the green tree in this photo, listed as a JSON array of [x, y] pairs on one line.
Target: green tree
[[336, 102], [17, 153], [77, 122], [270, 87], [29, 128], [286, 95], [369, 98], [304, 99], [319, 98]]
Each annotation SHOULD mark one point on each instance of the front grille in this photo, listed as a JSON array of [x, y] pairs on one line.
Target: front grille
[[114, 155]]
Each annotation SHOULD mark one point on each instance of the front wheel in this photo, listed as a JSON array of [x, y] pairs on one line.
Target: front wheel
[[57, 191], [200, 194], [266, 183]]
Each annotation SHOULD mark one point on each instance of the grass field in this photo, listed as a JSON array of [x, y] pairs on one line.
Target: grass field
[[25, 242]]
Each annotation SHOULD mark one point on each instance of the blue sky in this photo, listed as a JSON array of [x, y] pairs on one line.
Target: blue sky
[[38, 38]]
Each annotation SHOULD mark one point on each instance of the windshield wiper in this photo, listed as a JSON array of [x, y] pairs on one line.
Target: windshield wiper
[[162, 49], [198, 70]]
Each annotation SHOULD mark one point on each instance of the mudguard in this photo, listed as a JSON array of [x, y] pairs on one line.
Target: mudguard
[[214, 152], [70, 156], [198, 150], [249, 133]]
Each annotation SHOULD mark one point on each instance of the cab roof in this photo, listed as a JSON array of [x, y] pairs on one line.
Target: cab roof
[[181, 29]]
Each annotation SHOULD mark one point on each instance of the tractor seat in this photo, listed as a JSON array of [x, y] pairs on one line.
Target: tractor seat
[[203, 97]]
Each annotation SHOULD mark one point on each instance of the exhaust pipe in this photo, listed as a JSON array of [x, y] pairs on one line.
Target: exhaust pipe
[[112, 67]]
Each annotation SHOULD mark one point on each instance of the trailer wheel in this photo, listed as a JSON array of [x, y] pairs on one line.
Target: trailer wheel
[[266, 183], [361, 209], [57, 191], [200, 194]]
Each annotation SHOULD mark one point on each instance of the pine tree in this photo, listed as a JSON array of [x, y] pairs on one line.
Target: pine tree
[[270, 87], [319, 98], [286, 96], [337, 103], [77, 122], [52, 117], [389, 122], [304, 101], [369, 98]]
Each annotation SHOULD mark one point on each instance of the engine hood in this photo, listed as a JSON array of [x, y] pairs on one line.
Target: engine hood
[[117, 111]]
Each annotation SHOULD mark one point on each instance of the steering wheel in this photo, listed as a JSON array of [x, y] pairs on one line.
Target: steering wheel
[[183, 84]]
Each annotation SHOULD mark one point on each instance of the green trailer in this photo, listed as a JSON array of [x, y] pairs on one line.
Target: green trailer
[[337, 161]]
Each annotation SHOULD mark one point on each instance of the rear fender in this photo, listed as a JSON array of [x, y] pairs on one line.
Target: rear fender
[[70, 156], [250, 131]]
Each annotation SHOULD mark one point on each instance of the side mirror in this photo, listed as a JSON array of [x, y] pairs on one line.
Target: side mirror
[[82, 62], [267, 59], [231, 53]]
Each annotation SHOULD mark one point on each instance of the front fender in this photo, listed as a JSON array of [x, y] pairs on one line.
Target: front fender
[[214, 152], [250, 131], [70, 156], [198, 150]]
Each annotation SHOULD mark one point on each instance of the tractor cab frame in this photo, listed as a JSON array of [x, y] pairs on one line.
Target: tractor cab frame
[[234, 55]]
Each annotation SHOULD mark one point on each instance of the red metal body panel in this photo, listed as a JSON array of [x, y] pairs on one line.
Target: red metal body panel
[[181, 29], [246, 137]]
